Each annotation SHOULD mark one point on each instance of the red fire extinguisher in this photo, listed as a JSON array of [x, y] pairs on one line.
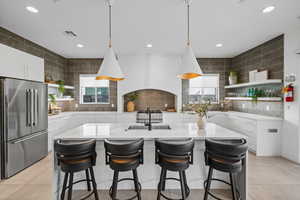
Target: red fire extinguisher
[[289, 93]]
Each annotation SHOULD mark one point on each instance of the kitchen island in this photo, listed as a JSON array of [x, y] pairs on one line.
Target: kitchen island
[[149, 172]]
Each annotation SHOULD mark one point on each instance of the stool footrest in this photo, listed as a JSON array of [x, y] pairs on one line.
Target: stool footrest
[[220, 180], [79, 181], [175, 179], [127, 179]]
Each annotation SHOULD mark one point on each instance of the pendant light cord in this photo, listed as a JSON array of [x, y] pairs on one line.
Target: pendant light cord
[[110, 40], [188, 25]]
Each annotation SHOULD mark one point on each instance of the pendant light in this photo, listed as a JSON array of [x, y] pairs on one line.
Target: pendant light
[[110, 68], [189, 67]]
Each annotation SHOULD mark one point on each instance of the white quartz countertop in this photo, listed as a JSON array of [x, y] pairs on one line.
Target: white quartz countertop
[[246, 115], [210, 113], [101, 131]]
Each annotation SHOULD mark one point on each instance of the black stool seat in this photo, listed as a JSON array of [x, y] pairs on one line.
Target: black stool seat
[[174, 155], [226, 156], [124, 156], [75, 156]]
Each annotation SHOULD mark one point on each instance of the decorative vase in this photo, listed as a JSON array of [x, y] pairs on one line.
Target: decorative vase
[[130, 106], [201, 122], [232, 78]]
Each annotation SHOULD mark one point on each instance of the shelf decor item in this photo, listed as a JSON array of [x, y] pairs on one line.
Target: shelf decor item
[[61, 87], [189, 67], [261, 76], [131, 98], [252, 75], [232, 78], [110, 68]]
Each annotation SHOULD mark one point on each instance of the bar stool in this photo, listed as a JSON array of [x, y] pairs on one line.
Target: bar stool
[[75, 156], [226, 156], [174, 155], [124, 156]]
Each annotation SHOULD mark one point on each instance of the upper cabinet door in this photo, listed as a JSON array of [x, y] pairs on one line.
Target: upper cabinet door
[[18, 64], [35, 68], [12, 62]]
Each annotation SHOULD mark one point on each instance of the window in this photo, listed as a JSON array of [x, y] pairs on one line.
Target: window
[[93, 91], [204, 88]]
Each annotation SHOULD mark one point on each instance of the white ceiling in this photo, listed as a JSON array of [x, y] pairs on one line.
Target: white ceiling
[[239, 26]]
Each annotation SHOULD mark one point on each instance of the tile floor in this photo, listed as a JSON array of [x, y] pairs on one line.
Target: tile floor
[[270, 178]]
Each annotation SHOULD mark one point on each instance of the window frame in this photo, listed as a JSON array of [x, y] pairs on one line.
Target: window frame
[[81, 91], [218, 88]]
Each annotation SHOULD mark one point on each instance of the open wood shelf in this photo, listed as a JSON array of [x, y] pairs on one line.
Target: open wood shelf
[[266, 82], [56, 86], [270, 99]]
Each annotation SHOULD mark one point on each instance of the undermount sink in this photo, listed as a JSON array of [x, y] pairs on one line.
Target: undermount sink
[[143, 127]]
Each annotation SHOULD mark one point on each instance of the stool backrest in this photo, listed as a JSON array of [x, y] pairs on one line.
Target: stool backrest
[[175, 148], [124, 149], [73, 150], [231, 150]]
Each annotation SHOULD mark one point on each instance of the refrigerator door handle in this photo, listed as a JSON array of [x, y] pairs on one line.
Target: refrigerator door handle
[[35, 107], [31, 107], [27, 108]]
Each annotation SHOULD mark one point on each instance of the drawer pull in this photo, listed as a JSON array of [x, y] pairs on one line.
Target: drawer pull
[[272, 130]]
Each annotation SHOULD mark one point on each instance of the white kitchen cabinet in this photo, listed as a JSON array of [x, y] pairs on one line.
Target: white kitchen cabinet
[[263, 132], [11, 62], [34, 68], [18, 64]]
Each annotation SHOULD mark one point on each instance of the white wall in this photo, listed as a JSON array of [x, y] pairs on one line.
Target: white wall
[[149, 72], [291, 131]]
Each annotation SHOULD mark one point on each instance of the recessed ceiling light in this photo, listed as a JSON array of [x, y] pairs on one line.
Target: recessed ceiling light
[[32, 9], [79, 45], [149, 45], [219, 45], [268, 9]]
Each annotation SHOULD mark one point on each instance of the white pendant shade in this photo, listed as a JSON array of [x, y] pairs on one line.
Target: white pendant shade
[[189, 67], [110, 68]]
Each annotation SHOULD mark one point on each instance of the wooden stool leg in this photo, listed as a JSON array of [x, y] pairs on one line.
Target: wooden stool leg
[[94, 184], [136, 184], [62, 196], [208, 182], [160, 184], [233, 186], [88, 180], [182, 185], [115, 184], [70, 186]]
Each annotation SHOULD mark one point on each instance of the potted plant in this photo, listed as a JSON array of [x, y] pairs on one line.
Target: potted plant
[[232, 78], [52, 103], [131, 98], [201, 109], [61, 87]]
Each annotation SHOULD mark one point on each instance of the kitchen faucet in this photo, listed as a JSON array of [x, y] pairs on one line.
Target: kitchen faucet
[[149, 124]]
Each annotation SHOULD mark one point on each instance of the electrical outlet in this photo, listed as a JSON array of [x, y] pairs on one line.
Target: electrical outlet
[[243, 106], [268, 108], [76, 105]]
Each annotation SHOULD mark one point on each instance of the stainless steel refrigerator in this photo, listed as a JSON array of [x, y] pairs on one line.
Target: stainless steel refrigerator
[[24, 124]]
